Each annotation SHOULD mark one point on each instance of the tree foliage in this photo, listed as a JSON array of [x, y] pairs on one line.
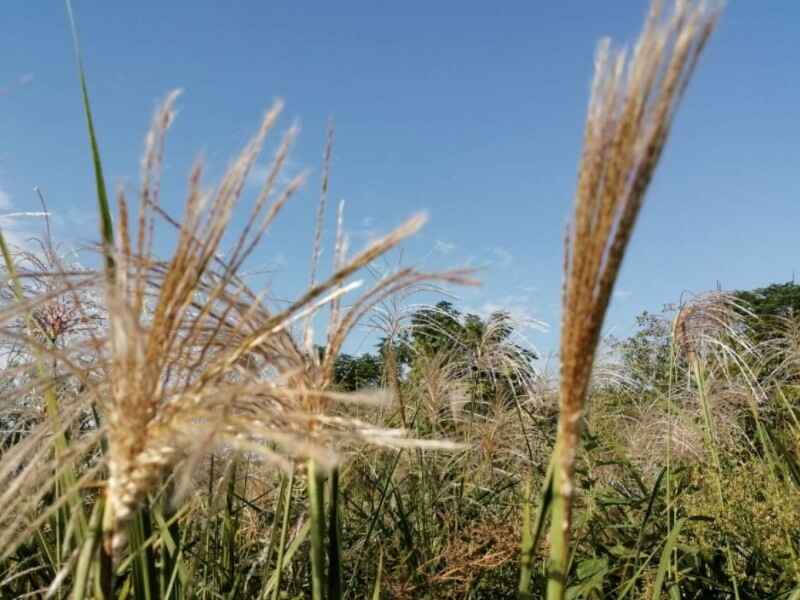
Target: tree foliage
[[767, 305], [645, 355], [481, 351]]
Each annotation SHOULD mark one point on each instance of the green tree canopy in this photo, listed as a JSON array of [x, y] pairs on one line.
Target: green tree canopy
[[766, 305], [482, 351]]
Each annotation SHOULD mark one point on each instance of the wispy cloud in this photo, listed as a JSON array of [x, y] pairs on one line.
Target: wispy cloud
[[366, 231], [16, 224], [259, 173], [500, 257], [443, 247], [518, 306], [280, 261], [622, 294], [81, 216], [23, 80]]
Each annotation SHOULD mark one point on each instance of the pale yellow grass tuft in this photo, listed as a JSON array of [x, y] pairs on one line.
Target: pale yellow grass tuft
[[197, 359]]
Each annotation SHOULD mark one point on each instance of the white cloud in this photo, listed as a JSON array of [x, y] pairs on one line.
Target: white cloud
[[280, 261], [20, 82], [622, 294], [367, 231], [260, 172], [8, 216], [500, 257], [518, 306], [16, 225], [471, 262], [443, 247], [82, 217], [258, 175]]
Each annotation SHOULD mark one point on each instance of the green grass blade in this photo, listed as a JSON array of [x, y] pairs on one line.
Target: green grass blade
[[702, 391], [316, 500], [532, 533], [104, 210], [301, 536], [374, 518], [287, 505], [11, 268], [230, 526], [648, 513], [629, 584], [144, 566], [334, 540], [88, 552], [171, 547], [376, 589], [663, 564]]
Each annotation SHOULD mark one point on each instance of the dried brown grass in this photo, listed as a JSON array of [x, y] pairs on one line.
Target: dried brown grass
[[632, 106]]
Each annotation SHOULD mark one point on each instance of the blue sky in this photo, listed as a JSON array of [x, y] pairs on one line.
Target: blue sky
[[469, 113]]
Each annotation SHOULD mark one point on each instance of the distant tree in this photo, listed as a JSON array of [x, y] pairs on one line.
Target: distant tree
[[436, 329], [767, 305], [400, 348], [353, 373], [480, 350], [444, 327], [645, 355]]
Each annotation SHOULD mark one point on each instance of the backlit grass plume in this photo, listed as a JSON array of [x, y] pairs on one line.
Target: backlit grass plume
[[633, 101], [195, 356]]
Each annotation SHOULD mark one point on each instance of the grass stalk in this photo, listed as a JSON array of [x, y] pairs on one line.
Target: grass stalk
[[287, 506], [316, 500], [144, 567], [532, 531], [88, 552], [334, 578], [708, 422], [630, 113]]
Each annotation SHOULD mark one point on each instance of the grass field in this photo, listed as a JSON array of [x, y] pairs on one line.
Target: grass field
[[169, 433]]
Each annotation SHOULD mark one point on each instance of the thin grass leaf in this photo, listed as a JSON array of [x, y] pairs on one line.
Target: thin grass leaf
[[287, 505], [334, 538], [532, 532], [664, 562], [316, 501], [298, 540], [103, 206], [376, 588], [88, 552]]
